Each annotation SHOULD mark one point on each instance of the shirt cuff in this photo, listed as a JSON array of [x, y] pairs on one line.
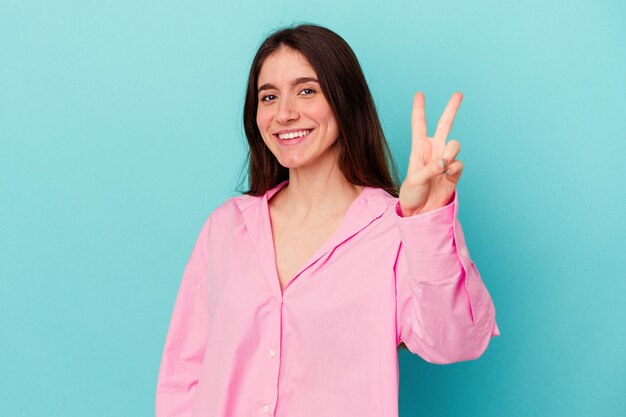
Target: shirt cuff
[[429, 232]]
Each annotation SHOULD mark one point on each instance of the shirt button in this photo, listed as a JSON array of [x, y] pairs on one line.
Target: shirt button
[[266, 408], [272, 354], [464, 252]]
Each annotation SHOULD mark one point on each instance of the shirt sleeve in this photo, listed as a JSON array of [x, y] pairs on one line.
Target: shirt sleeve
[[186, 339], [444, 311]]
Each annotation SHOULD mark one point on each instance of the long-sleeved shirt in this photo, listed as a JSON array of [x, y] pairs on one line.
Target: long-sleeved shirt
[[325, 345]]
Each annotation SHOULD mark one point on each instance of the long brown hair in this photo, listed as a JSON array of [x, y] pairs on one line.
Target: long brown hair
[[364, 156]]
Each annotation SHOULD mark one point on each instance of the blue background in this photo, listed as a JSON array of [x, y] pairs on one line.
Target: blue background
[[120, 132]]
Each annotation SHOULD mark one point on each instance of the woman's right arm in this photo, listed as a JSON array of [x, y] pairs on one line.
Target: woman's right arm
[[186, 338]]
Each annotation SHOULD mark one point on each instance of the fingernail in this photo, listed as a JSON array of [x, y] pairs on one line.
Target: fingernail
[[442, 163]]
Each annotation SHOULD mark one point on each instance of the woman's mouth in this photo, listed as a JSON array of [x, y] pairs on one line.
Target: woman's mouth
[[293, 138]]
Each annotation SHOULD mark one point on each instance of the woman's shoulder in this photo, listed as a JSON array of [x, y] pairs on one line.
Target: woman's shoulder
[[380, 198], [231, 208]]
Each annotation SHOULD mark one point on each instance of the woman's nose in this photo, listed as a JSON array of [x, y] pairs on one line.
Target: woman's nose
[[286, 111]]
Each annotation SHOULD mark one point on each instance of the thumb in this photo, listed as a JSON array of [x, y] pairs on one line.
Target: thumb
[[423, 176], [434, 168]]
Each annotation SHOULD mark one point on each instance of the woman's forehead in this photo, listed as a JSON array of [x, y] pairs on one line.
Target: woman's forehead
[[285, 64]]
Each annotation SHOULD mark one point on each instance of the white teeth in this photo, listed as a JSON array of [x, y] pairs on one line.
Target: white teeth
[[292, 135]]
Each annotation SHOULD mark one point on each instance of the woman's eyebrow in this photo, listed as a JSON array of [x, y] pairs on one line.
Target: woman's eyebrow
[[295, 82]]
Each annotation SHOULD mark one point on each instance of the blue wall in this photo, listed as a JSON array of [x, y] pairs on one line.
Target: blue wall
[[120, 132]]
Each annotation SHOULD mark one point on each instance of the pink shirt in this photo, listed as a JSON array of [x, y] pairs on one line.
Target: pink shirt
[[326, 345]]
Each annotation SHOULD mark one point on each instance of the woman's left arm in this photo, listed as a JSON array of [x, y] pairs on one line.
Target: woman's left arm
[[445, 313]]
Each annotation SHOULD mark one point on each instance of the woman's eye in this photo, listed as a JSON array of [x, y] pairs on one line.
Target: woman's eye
[[268, 97], [307, 91]]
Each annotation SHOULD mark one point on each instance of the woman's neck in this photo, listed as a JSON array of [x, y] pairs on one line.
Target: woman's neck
[[321, 189]]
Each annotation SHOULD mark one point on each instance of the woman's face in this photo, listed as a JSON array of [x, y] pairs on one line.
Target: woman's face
[[293, 116]]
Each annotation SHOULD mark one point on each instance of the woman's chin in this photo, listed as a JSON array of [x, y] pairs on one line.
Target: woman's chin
[[290, 164], [291, 161]]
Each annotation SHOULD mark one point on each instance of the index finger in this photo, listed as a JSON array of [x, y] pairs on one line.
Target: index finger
[[447, 119], [418, 119]]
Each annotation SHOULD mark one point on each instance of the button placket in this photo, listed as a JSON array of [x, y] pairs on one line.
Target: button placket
[[269, 393]]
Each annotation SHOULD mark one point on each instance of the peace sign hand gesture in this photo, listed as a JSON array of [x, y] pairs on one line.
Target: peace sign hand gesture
[[433, 171]]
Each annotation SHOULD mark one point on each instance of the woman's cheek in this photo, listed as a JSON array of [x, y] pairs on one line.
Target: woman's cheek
[[263, 121]]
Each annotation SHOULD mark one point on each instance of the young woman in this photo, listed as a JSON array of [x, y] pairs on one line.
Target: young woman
[[299, 292]]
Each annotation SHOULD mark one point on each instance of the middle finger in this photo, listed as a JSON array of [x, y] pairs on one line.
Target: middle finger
[[447, 119]]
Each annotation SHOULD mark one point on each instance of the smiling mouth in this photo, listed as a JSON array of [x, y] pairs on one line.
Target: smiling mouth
[[294, 135]]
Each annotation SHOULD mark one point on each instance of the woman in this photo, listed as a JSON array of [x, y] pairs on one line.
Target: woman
[[298, 292]]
